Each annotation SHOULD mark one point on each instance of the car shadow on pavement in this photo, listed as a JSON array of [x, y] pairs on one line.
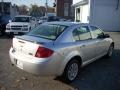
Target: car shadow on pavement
[[8, 37], [103, 74], [5, 37]]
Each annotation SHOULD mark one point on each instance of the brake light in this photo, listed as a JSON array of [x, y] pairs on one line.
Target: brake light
[[43, 52]]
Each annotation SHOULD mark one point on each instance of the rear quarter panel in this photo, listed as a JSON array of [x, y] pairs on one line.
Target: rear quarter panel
[[67, 51]]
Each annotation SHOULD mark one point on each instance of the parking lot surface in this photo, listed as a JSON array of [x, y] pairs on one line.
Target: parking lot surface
[[103, 74]]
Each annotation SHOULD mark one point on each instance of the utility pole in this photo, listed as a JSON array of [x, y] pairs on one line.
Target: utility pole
[[46, 5], [2, 7]]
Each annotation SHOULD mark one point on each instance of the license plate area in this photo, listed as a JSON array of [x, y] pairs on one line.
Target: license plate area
[[15, 32], [18, 63]]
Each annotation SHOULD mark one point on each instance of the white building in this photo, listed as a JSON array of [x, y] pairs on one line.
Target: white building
[[103, 13], [13, 11]]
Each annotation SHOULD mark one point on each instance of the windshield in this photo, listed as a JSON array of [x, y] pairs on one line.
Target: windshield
[[21, 19], [48, 31]]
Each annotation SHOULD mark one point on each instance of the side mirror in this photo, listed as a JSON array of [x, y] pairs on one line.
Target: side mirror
[[10, 21], [100, 36], [103, 36], [106, 36]]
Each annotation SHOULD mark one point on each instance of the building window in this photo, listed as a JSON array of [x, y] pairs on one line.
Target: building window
[[66, 9], [78, 15], [72, 11]]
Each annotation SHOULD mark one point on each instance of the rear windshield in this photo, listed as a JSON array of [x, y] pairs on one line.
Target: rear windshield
[[46, 31]]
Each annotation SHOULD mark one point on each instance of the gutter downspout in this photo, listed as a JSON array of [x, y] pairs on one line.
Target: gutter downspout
[[118, 2]]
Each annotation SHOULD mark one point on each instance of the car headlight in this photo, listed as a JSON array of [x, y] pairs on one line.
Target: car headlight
[[25, 25], [7, 26]]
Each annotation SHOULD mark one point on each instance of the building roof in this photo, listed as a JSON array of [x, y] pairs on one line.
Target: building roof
[[83, 2]]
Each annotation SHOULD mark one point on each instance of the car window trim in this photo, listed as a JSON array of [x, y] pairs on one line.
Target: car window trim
[[78, 35]]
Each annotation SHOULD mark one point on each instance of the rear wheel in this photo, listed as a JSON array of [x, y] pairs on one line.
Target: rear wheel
[[110, 51], [71, 71], [0, 33]]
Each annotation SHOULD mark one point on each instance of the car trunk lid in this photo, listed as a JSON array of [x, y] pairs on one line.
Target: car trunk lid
[[29, 45]]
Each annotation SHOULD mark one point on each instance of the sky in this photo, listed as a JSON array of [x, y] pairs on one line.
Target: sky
[[38, 2]]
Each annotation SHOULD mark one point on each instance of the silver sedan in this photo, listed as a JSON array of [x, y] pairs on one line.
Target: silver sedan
[[60, 48]]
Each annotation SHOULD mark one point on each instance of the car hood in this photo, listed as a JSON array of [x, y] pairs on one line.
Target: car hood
[[18, 23]]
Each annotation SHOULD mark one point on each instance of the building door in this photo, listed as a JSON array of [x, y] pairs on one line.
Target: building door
[[77, 14]]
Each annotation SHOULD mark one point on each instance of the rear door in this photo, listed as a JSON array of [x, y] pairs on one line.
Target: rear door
[[84, 41]]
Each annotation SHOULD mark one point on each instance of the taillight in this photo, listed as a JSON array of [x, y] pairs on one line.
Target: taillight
[[43, 52]]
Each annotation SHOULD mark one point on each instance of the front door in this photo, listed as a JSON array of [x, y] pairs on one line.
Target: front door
[[101, 43]]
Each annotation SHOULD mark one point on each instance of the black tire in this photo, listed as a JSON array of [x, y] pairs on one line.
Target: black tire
[[110, 51], [66, 75], [10, 35], [30, 29]]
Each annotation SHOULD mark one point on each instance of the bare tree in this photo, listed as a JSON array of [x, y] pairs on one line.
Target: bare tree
[[23, 10], [37, 11]]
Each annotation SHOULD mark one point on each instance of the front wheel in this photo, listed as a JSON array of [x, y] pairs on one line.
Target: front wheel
[[10, 35], [110, 51], [71, 71]]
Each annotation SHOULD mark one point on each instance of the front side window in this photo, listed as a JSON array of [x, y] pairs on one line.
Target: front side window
[[96, 32], [82, 33], [47, 31]]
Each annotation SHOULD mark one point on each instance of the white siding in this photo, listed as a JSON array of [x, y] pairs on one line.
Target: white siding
[[84, 13], [105, 14], [76, 1]]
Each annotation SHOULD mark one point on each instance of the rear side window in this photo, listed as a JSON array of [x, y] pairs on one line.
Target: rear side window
[[75, 35], [96, 32], [48, 31], [82, 33]]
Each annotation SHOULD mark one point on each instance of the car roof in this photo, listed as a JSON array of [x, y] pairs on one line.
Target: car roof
[[65, 23], [22, 16]]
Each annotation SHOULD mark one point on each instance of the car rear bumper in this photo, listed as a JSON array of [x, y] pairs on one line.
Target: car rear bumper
[[41, 67]]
